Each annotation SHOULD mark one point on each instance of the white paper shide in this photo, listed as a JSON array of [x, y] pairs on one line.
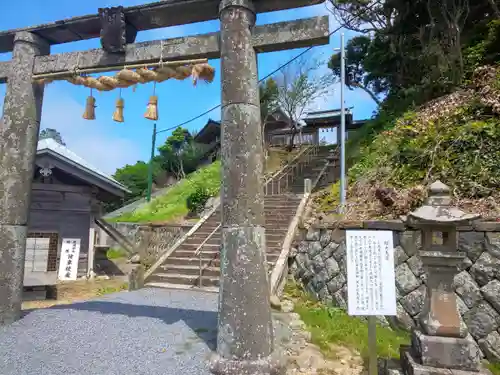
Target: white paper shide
[[371, 289], [68, 264]]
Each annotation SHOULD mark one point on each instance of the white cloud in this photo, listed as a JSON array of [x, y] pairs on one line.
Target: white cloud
[[87, 139]]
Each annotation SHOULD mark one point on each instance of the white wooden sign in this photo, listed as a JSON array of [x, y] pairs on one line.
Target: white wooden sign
[[371, 288], [68, 264]]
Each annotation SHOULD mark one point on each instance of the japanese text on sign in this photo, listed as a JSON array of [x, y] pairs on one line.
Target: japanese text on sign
[[371, 288], [68, 264]]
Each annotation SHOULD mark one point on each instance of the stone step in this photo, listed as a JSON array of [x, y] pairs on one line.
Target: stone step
[[282, 220], [196, 262], [162, 285], [190, 261], [206, 248], [202, 231], [216, 239], [190, 269], [191, 280], [277, 200], [272, 254], [210, 248], [277, 204], [276, 215], [272, 198], [289, 212], [190, 274], [211, 251], [182, 253]]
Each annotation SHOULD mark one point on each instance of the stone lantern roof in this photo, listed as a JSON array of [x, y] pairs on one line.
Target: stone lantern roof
[[438, 210]]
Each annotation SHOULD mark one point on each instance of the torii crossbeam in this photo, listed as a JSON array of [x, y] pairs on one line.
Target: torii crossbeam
[[245, 335]]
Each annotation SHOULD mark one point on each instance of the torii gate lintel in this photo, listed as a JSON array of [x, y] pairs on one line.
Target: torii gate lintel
[[265, 38], [142, 17]]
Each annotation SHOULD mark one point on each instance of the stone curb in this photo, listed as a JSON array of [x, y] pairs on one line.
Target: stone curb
[[398, 225]]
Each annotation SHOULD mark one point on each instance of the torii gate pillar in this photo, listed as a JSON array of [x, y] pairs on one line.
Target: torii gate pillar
[[245, 330], [18, 142]]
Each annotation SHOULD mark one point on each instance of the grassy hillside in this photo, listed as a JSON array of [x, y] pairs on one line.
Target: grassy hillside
[[455, 138], [172, 206]]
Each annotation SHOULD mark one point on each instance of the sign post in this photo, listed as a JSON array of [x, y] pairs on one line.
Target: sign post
[[371, 289], [70, 254]]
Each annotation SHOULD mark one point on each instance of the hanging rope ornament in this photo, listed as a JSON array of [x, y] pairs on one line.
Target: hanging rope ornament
[[89, 113], [118, 114], [152, 109]]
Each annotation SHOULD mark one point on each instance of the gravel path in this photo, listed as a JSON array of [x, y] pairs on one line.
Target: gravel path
[[149, 331]]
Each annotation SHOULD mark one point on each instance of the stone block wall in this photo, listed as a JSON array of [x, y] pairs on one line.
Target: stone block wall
[[319, 263], [152, 240]]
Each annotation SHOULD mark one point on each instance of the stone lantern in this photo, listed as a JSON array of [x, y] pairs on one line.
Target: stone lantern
[[440, 342]]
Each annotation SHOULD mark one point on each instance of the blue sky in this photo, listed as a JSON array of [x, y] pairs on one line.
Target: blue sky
[[109, 145]]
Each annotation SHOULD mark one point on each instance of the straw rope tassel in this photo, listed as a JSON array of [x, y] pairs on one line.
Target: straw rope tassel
[[118, 114], [89, 113], [152, 109]]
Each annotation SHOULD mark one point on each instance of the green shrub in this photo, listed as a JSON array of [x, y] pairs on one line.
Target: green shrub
[[460, 149], [484, 48], [116, 253], [173, 204], [197, 199]]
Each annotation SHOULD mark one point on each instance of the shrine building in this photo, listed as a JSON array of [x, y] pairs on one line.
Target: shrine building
[[66, 198]]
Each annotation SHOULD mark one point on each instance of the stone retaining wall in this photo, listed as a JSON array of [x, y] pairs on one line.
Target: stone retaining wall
[[154, 240], [320, 265]]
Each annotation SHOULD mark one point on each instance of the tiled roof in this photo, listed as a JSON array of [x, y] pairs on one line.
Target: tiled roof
[[67, 155], [324, 114]]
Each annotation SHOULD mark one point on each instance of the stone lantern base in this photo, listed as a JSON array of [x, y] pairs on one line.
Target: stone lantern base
[[445, 352], [411, 364]]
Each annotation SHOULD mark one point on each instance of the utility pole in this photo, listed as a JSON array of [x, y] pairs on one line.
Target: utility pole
[[342, 126], [150, 167]]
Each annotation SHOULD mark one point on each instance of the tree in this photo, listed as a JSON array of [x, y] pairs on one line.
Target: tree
[[135, 177], [51, 133], [268, 92], [299, 85], [363, 16], [413, 48], [180, 154], [355, 73]]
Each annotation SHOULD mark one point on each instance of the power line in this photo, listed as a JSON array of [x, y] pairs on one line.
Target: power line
[[260, 80], [190, 120]]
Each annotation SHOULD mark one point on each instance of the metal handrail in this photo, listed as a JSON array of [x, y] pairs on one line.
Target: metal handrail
[[271, 179], [299, 164], [199, 252]]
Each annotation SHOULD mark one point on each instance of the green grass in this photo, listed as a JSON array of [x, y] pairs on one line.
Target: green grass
[[494, 368], [172, 205], [111, 289], [331, 325], [116, 253]]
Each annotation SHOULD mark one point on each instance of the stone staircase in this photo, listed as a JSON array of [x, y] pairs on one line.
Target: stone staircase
[[311, 172], [195, 263]]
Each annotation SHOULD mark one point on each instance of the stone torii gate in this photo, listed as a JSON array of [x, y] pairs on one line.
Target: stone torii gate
[[245, 334]]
